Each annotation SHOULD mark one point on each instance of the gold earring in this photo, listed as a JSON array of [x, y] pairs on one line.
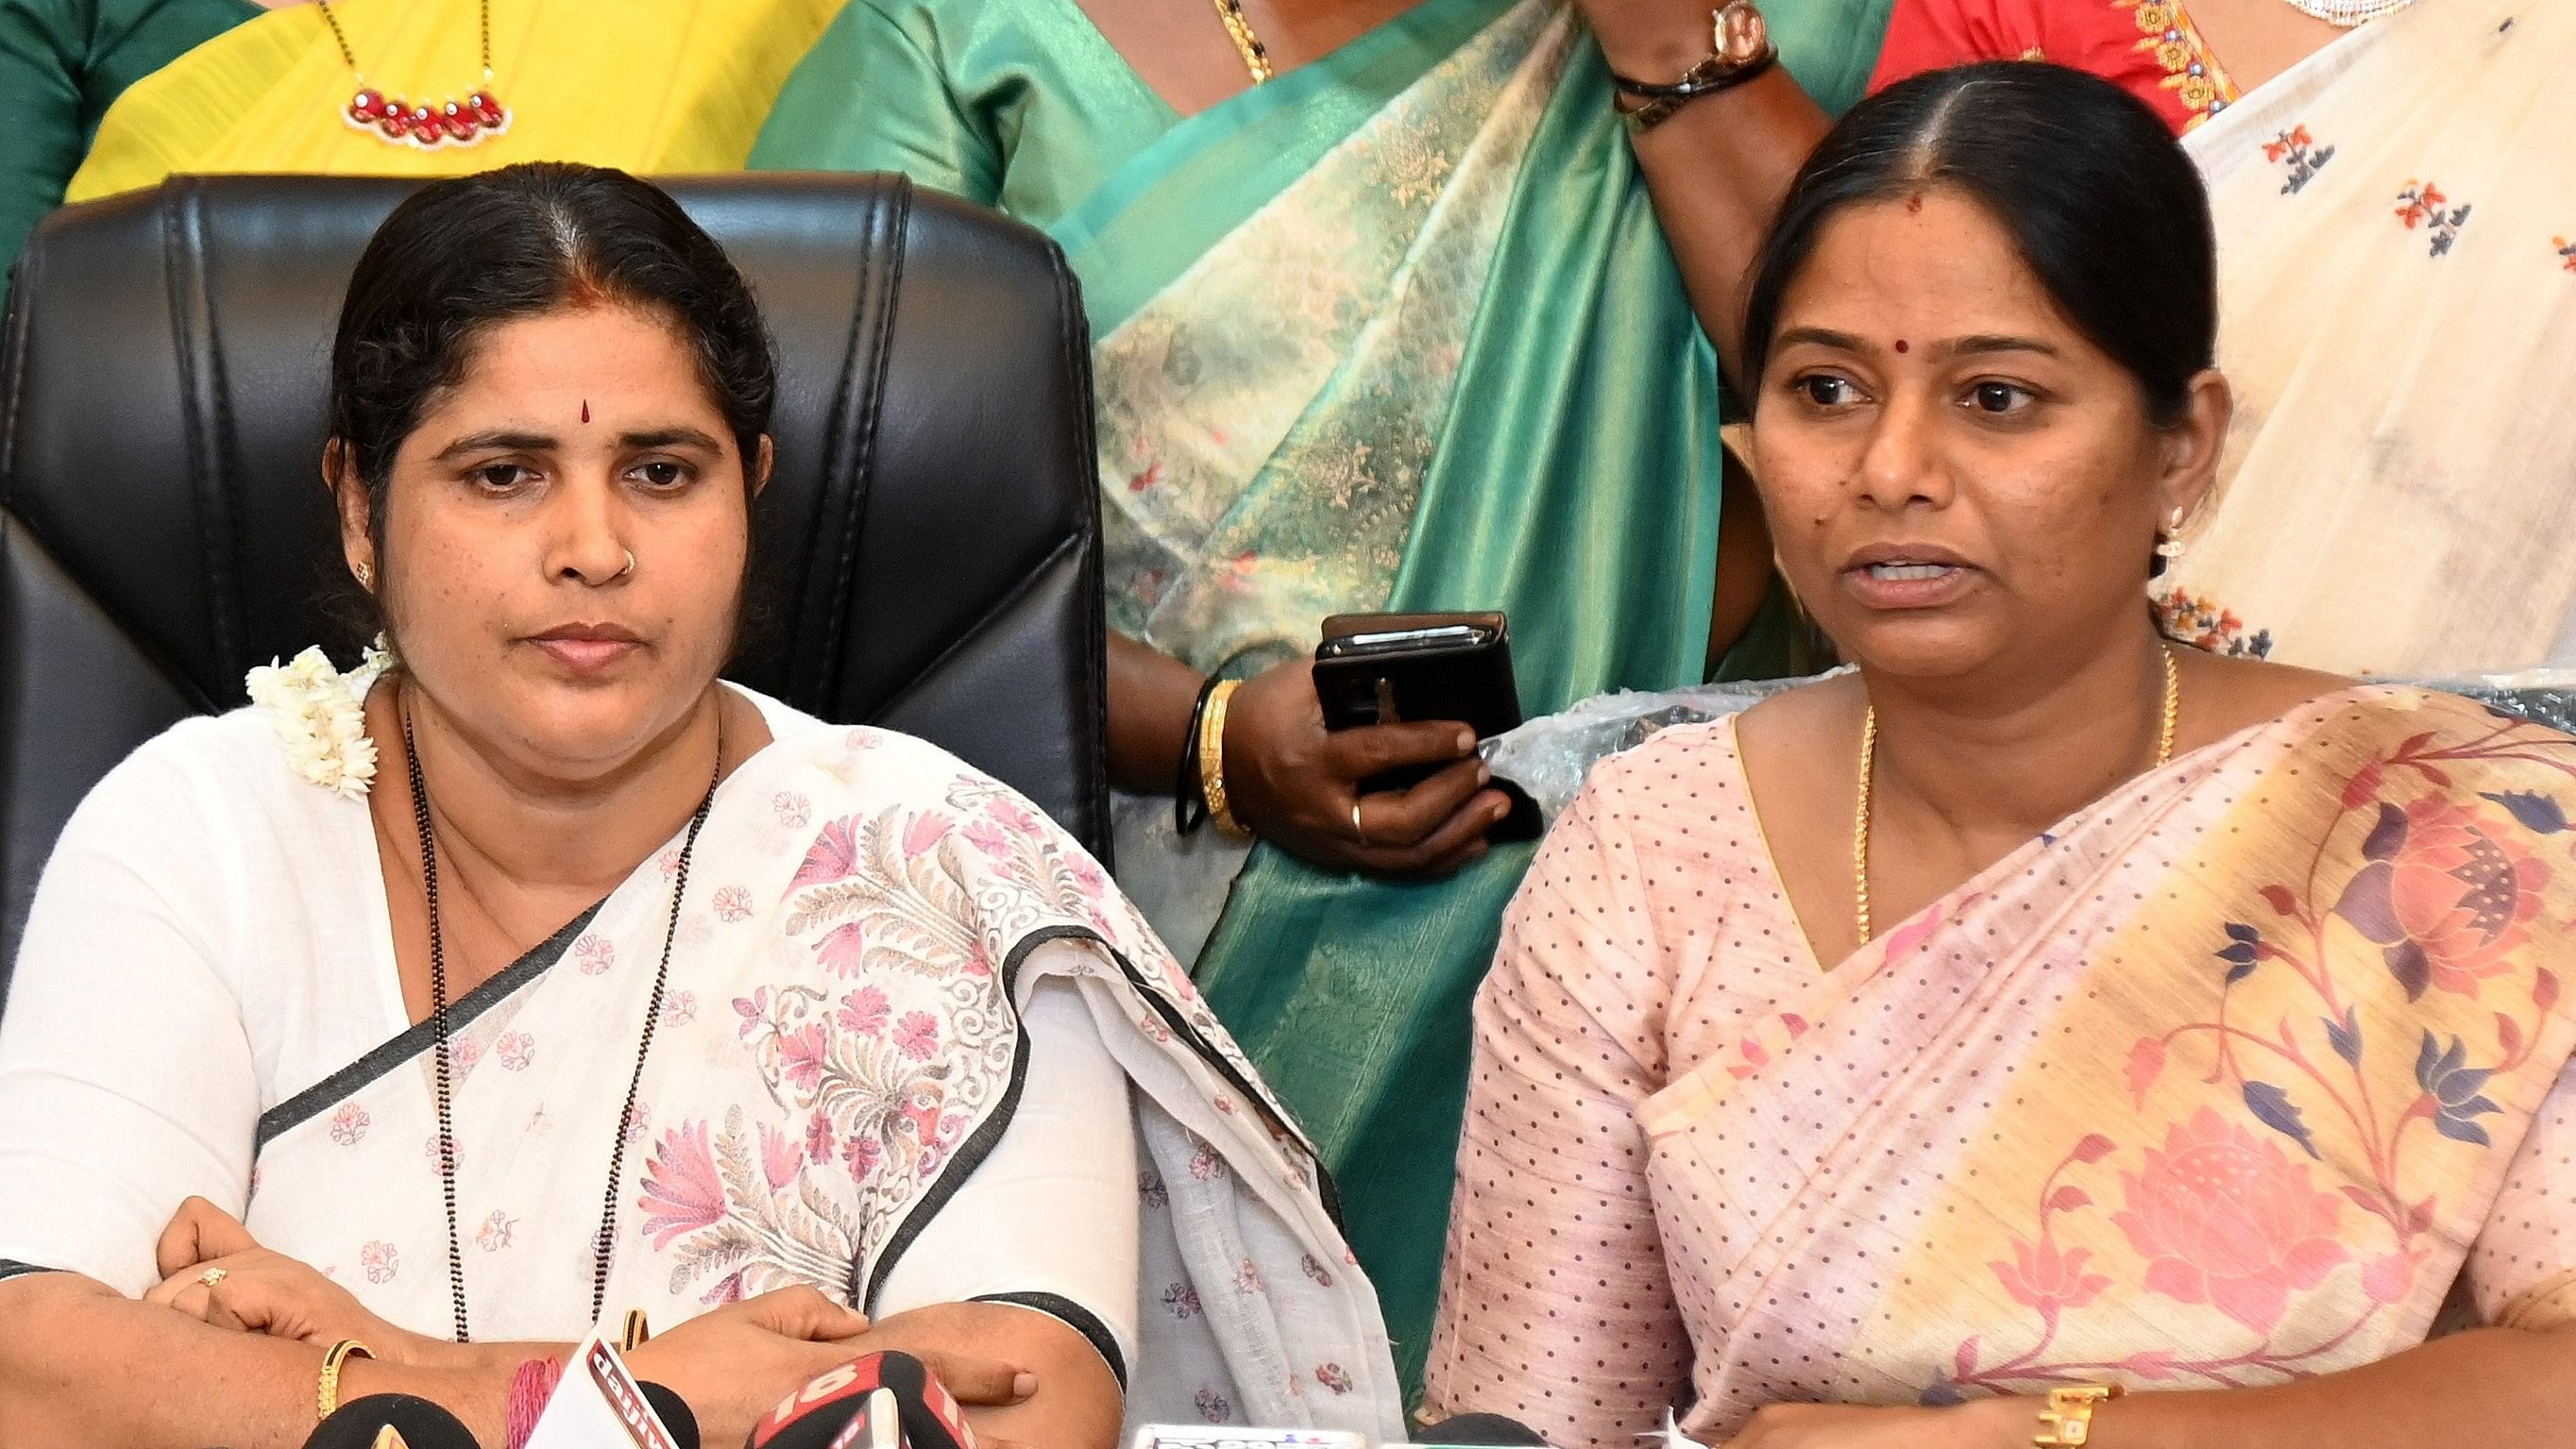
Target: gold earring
[[367, 576]]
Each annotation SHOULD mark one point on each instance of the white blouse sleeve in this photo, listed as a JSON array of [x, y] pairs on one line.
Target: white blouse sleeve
[[126, 1077], [1049, 1220]]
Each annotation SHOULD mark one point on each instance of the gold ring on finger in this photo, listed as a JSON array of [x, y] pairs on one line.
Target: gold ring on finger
[[213, 1276], [1358, 832]]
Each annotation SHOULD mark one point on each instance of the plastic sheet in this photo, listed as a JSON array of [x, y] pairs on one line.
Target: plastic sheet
[[1550, 756]]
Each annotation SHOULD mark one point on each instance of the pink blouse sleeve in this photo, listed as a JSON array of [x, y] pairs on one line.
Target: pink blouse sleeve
[[2522, 1268], [1555, 1308]]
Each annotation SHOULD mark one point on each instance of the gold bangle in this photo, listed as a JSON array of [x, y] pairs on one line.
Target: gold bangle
[[327, 1397], [2066, 1420], [1212, 759]]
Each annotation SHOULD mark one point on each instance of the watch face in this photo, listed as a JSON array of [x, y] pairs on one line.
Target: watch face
[[1742, 35]]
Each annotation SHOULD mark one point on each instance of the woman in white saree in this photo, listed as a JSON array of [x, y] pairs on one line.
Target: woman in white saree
[[831, 1020], [2396, 213]]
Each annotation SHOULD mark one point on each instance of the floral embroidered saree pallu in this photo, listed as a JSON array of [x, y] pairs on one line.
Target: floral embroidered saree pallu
[[840, 1047], [2222, 1082], [2215, 1090]]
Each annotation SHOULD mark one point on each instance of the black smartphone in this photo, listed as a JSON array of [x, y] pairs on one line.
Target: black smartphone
[[1393, 668]]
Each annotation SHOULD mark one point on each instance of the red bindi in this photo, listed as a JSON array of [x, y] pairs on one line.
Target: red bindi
[[585, 410], [1914, 203], [1902, 347]]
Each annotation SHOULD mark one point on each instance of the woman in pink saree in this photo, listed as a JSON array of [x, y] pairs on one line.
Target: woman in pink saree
[[2043, 1030]]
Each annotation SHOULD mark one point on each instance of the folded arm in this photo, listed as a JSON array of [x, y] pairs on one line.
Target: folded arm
[[1074, 1403], [81, 1363]]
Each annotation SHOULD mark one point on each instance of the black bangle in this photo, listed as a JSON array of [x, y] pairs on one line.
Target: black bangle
[[1189, 793], [1704, 79], [1699, 80]]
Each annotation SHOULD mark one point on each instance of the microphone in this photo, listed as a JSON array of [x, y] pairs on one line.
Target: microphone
[[600, 1405], [420, 1424], [674, 1413], [877, 1425], [846, 1407]]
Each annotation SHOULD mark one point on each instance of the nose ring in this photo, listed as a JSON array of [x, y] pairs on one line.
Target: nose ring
[[630, 565]]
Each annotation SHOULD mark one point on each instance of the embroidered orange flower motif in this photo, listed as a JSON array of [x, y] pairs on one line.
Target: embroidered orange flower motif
[[2447, 899], [2286, 142], [2417, 202], [2424, 204]]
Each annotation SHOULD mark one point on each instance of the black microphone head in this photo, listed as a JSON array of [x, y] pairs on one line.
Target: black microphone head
[[422, 1424], [674, 1413], [1492, 1431]]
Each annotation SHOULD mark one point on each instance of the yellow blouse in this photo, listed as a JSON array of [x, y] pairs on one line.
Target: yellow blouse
[[650, 86]]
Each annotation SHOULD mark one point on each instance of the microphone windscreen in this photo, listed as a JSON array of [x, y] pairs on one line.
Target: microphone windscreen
[[674, 1413], [422, 1424], [1493, 1431]]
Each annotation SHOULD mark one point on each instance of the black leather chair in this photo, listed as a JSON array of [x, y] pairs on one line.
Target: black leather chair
[[928, 551]]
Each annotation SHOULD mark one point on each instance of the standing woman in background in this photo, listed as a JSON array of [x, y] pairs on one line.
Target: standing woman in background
[[1389, 312], [99, 97], [62, 64], [2396, 208]]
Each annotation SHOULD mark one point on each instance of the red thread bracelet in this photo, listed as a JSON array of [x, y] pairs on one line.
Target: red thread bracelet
[[530, 1387]]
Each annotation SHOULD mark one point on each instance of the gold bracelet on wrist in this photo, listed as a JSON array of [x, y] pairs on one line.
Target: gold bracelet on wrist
[[1212, 759], [2066, 1420], [326, 1397]]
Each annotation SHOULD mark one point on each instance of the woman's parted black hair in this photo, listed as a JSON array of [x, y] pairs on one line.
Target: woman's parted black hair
[[2101, 202], [461, 255]]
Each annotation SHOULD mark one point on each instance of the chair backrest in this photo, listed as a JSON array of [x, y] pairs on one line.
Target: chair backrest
[[927, 553]]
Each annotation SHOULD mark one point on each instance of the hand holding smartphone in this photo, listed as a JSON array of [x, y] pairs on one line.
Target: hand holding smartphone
[[1398, 668]]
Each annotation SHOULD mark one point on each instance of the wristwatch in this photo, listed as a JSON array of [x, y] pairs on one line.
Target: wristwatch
[[2066, 1420], [1740, 48]]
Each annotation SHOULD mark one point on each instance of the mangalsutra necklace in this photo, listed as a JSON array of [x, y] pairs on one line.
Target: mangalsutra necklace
[[1256, 56], [2349, 13], [1869, 759], [603, 1247], [398, 122]]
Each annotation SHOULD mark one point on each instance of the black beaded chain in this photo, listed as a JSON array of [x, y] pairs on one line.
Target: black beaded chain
[[444, 1090], [652, 1015], [342, 40]]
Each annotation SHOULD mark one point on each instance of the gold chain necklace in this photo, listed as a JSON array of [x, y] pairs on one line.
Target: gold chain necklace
[[1256, 59], [1869, 759]]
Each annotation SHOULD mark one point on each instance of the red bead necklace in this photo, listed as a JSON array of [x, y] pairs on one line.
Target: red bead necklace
[[398, 122]]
